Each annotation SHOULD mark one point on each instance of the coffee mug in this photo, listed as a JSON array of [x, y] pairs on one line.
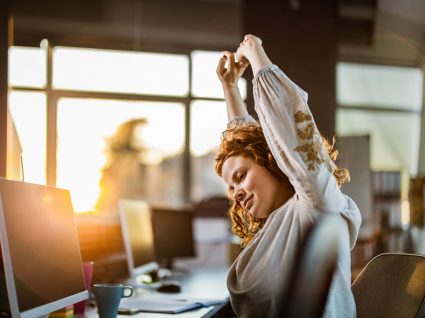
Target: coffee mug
[[108, 297]]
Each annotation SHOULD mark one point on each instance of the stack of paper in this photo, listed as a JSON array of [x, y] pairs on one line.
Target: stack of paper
[[166, 305]]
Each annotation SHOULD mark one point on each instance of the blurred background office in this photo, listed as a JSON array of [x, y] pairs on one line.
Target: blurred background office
[[118, 99]]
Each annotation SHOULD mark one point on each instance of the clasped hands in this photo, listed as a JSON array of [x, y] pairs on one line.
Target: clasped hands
[[237, 62]]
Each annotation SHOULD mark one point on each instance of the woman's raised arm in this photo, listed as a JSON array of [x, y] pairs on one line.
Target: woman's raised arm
[[229, 79]]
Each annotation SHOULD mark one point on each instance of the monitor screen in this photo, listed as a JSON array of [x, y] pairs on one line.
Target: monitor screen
[[40, 249], [173, 234], [136, 228]]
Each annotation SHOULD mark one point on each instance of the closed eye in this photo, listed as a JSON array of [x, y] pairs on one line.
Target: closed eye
[[240, 176]]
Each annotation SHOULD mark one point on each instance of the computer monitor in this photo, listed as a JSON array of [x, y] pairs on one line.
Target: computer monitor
[[173, 234], [41, 260], [136, 228]]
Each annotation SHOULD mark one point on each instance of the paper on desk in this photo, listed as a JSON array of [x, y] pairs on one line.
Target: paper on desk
[[166, 305]]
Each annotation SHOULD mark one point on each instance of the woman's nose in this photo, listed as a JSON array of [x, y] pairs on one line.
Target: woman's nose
[[239, 195]]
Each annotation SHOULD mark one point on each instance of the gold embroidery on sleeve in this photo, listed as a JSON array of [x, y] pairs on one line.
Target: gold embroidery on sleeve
[[300, 117], [307, 133], [310, 146]]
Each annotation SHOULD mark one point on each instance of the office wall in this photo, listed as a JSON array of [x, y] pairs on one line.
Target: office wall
[[130, 24], [302, 40]]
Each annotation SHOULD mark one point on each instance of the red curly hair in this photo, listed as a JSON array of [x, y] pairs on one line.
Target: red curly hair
[[248, 141]]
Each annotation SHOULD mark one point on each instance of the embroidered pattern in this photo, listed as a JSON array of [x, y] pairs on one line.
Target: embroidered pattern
[[284, 157], [307, 133], [300, 117], [310, 146]]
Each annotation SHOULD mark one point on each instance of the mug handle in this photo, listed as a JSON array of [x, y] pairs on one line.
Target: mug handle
[[129, 288]]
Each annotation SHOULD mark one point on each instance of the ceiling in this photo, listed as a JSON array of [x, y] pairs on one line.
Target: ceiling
[[370, 31], [398, 36]]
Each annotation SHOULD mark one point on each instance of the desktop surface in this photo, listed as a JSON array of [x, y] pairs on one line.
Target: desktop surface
[[204, 283]]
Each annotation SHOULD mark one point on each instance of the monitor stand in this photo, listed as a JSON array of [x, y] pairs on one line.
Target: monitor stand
[[168, 268]]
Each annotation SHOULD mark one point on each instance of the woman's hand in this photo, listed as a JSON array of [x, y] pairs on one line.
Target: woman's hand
[[229, 79], [250, 45], [252, 49], [229, 76]]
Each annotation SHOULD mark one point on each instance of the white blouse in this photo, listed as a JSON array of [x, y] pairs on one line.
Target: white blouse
[[296, 145]]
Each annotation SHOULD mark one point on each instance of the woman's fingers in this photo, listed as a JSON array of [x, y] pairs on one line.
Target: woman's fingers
[[232, 61], [234, 69], [252, 38], [231, 58], [220, 67], [243, 65], [239, 54], [243, 61]]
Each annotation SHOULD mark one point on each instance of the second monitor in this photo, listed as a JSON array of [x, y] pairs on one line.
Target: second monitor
[[173, 234], [136, 228], [154, 236]]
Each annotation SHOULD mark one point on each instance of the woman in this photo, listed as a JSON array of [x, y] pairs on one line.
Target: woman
[[280, 177]]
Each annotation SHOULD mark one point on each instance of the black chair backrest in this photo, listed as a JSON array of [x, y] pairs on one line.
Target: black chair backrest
[[391, 285], [307, 291]]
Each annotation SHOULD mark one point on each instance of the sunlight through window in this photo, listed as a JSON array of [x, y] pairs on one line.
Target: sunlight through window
[[109, 149], [208, 120], [391, 149], [86, 125], [205, 82], [366, 88], [27, 67], [28, 110], [120, 71], [379, 86]]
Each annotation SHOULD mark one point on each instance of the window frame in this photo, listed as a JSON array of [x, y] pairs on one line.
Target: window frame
[[53, 95], [396, 109]]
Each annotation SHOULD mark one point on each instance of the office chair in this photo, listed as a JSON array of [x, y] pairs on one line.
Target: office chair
[[391, 285], [307, 291]]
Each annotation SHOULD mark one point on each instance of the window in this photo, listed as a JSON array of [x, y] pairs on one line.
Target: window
[[28, 111], [27, 67], [391, 149], [120, 71], [207, 119], [204, 78], [361, 85], [119, 120], [118, 150], [384, 102]]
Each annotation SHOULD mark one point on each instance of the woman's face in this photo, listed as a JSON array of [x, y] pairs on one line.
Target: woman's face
[[254, 187]]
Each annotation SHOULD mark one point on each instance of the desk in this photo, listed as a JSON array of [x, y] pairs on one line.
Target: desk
[[92, 313], [207, 282]]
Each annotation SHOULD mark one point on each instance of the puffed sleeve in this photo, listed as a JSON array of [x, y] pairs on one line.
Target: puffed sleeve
[[241, 121], [296, 144]]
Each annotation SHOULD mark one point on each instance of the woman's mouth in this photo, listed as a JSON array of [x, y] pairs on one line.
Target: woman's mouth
[[247, 203]]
